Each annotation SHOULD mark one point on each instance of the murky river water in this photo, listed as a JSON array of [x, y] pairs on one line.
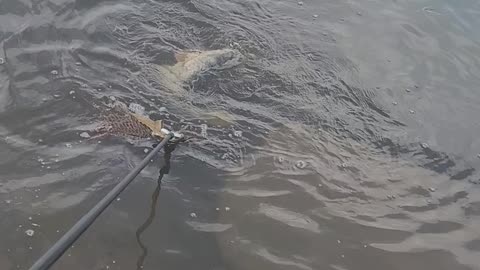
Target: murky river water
[[347, 138]]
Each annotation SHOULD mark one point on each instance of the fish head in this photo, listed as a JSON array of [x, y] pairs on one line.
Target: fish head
[[191, 64], [220, 59]]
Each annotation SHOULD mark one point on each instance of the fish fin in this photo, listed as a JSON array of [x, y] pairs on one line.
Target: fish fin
[[157, 128], [181, 56], [159, 124]]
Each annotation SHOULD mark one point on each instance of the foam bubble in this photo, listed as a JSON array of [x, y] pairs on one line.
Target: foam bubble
[[136, 108]]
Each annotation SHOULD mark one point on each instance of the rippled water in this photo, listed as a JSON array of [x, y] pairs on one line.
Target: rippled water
[[347, 138]]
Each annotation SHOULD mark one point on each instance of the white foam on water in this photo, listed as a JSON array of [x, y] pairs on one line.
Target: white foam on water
[[136, 108]]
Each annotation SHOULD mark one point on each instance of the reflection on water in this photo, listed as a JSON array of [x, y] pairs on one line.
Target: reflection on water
[[165, 169], [343, 136]]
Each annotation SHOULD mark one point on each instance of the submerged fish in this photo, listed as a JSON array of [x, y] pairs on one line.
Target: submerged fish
[[191, 64], [117, 120]]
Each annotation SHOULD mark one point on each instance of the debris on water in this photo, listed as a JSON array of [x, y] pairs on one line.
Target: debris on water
[[230, 135], [218, 209], [8, 201], [145, 150], [343, 256], [300, 3], [56, 96], [56, 160], [71, 92], [30, 232], [29, 218], [2, 61], [162, 109], [193, 215], [54, 72], [408, 90], [35, 225], [424, 145], [395, 103], [431, 189], [84, 135], [40, 140], [301, 164], [68, 145], [280, 159], [430, 10], [78, 63], [48, 167], [315, 16], [30, 248], [359, 13], [237, 133], [338, 241], [99, 142], [227, 208], [44, 99], [40, 160], [112, 98], [118, 199], [412, 111], [365, 246], [58, 231]]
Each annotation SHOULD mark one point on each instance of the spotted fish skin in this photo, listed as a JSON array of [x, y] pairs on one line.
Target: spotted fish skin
[[118, 121], [126, 125]]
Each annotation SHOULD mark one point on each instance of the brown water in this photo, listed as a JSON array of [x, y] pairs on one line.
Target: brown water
[[346, 139]]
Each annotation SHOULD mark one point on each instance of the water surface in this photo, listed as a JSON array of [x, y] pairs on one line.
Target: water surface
[[346, 139]]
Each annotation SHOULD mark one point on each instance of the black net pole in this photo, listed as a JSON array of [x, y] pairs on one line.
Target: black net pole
[[57, 250]]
